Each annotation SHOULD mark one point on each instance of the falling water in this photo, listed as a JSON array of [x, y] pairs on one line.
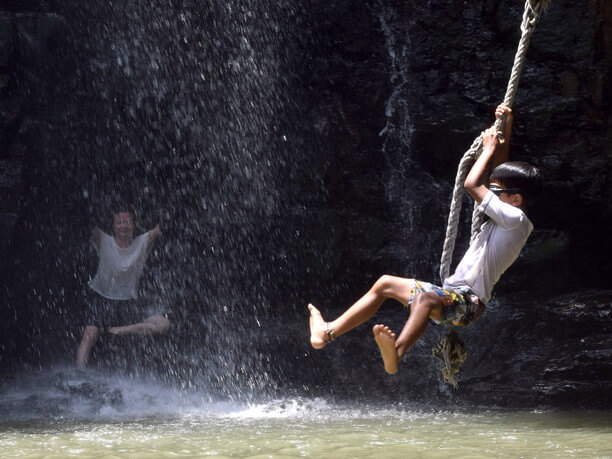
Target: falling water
[[212, 121], [188, 115]]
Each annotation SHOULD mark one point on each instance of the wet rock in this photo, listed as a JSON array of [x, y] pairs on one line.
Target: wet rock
[[550, 352], [6, 39], [570, 84], [8, 221], [4, 80], [38, 32], [10, 173], [544, 246]]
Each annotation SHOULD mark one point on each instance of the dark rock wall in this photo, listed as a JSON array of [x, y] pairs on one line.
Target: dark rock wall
[[30, 68], [363, 109]]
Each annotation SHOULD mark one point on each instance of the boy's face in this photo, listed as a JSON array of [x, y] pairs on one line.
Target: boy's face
[[514, 199], [123, 224]]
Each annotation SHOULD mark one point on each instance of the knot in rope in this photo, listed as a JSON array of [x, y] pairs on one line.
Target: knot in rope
[[452, 351]]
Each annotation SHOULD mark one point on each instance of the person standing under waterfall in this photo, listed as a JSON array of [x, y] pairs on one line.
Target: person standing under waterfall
[[113, 304], [503, 196]]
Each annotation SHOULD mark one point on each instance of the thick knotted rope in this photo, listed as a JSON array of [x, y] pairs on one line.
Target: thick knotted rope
[[531, 15], [452, 352], [451, 348]]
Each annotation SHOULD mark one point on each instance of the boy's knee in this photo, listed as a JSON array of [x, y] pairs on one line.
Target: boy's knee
[[161, 324], [91, 332], [429, 304], [426, 300], [385, 282]]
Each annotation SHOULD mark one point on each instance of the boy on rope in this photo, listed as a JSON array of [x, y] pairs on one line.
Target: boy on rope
[[462, 298]]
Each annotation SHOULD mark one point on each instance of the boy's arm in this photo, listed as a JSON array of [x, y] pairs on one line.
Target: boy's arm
[[493, 154], [96, 237], [154, 234]]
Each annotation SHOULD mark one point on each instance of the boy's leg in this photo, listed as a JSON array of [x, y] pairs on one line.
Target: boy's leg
[[398, 288], [424, 307], [153, 325], [90, 336]]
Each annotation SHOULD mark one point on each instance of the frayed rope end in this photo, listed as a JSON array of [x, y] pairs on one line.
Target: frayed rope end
[[453, 352]]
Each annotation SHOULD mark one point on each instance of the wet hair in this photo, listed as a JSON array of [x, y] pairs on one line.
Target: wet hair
[[122, 210], [521, 175]]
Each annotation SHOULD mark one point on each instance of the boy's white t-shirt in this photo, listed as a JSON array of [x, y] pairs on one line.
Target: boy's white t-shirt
[[495, 248], [119, 269]]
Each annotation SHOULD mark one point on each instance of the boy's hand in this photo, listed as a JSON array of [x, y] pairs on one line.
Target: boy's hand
[[502, 110], [504, 113], [490, 141], [494, 152]]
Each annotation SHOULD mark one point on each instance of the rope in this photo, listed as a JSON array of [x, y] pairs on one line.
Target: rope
[[452, 352], [531, 15], [452, 349]]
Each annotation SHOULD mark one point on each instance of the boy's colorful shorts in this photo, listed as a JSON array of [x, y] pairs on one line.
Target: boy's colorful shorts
[[461, 306]]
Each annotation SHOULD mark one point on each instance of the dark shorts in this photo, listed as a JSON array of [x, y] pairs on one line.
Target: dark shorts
[[461, 306], [103, 312]]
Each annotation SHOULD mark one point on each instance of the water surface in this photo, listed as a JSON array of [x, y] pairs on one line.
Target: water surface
[[56, 414], [295, 428]]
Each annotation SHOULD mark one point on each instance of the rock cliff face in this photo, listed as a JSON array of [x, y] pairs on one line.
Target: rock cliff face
[[28, 45], [294, 154]]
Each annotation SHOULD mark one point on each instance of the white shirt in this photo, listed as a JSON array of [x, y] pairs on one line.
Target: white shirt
[[119, 269], [495, 248]]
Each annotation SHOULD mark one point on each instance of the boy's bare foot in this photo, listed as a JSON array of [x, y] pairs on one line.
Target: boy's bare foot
[[385, 339], [318, 330]]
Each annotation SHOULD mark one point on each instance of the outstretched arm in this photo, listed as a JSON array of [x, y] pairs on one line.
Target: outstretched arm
[[154, 234], [96, 237], [493, 154]]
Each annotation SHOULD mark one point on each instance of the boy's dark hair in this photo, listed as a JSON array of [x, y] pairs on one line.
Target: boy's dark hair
[[122, 210], [521, 175]]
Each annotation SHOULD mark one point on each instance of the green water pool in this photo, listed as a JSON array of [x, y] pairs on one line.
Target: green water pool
[[317, 429]]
